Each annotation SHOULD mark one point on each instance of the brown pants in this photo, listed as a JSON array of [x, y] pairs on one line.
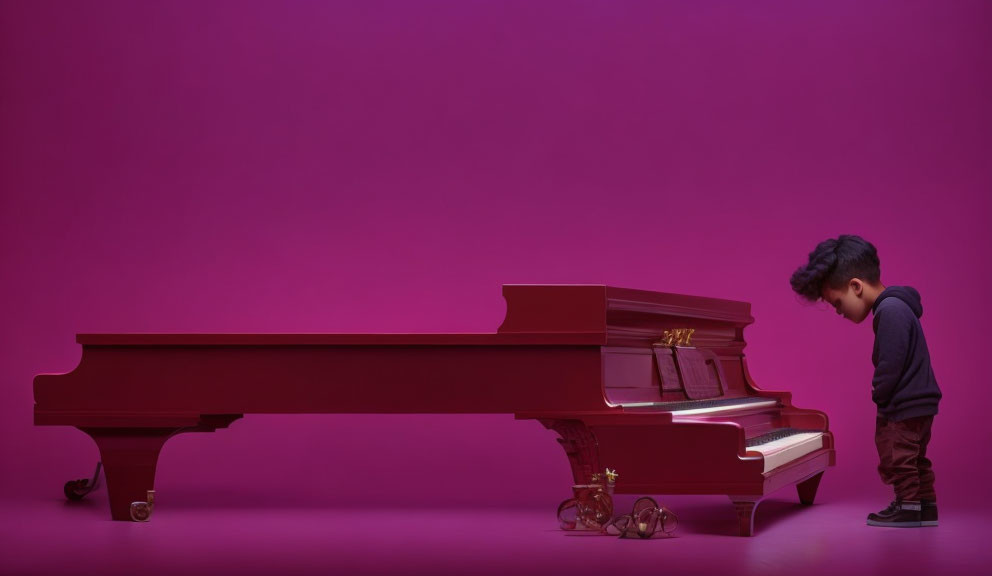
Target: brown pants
[[902, 456]]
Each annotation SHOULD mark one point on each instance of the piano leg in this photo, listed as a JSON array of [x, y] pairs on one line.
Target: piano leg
[[580, 447], [807, 488], [129, 456], [745, 514]]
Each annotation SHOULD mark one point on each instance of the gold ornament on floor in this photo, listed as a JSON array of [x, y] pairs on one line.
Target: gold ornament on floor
[[591, 509], [644, 521], [591, 506]]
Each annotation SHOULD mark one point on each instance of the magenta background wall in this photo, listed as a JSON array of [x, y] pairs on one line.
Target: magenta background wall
[[386, 166]]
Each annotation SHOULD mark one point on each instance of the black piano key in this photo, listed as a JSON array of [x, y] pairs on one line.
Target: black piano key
[[694, 404]]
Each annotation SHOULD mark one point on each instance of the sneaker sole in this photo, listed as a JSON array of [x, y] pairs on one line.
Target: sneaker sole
[[895, 524], [928, 523]]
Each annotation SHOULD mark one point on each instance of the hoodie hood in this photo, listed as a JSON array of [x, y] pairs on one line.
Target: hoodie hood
[[907, 294]]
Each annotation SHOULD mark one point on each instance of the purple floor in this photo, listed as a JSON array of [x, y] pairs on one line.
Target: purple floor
[[56, 537]]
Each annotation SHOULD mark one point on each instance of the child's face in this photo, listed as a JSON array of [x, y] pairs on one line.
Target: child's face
[[849, 301]]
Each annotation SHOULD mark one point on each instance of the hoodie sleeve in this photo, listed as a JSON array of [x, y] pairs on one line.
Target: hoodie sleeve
[[891, 350]]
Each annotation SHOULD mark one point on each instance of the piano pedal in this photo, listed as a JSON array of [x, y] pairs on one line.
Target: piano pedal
[[142, 511], [77, 489]]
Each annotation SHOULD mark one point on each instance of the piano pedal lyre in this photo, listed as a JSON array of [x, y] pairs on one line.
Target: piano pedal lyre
[[77, 489], [142, 511]]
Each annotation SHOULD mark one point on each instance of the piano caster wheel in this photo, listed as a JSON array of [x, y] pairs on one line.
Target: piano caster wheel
[[142, 511], [77, 489]]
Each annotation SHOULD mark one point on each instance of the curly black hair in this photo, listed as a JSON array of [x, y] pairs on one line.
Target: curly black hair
[[834, 262]]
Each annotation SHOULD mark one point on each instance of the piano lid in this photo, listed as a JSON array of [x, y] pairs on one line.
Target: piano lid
[[623, 313], [536, 314]]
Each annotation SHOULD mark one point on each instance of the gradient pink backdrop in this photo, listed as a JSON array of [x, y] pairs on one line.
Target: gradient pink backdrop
[[386, 166]]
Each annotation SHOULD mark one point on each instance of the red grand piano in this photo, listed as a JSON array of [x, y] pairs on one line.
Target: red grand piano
[[651, 384]]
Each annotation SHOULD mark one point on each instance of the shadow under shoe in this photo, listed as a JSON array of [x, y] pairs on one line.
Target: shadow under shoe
[[905, 514]]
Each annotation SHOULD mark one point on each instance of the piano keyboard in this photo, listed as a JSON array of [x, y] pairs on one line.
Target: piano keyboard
[[704, 406], [785, 445]]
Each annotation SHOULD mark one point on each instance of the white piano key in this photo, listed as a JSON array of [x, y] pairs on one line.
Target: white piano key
[[784, 450]]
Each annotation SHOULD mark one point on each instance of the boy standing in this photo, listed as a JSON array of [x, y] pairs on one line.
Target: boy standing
[[844, 272]]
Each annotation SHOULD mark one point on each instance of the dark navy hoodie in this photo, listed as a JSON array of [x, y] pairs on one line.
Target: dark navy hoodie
[[903, 385]]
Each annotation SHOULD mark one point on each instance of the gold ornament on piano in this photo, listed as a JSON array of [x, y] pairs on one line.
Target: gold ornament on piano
[[677, 337]]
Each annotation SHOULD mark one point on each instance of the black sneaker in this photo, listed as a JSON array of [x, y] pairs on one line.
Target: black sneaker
[[928, 514], [905, 514]]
